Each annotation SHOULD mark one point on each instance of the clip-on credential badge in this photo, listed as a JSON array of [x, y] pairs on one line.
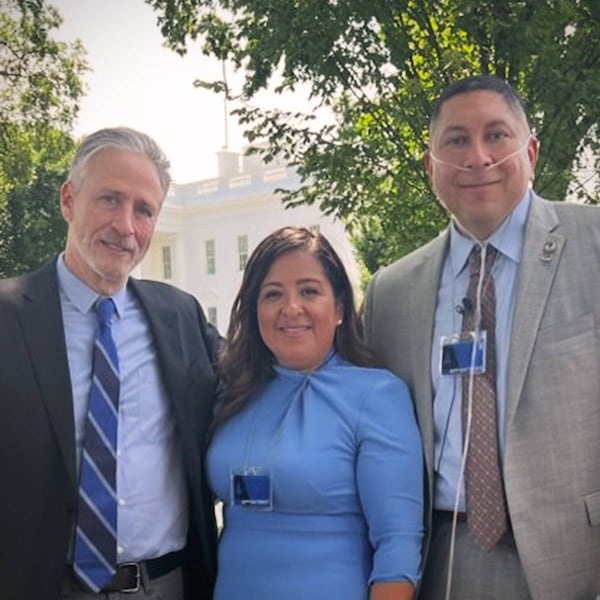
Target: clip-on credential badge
[[251, 488], [463, 353]]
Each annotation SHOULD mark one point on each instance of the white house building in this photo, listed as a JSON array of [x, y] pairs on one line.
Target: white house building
[[207, 230]]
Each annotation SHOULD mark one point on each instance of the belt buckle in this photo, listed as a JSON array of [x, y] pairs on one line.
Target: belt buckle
[[137, 575]]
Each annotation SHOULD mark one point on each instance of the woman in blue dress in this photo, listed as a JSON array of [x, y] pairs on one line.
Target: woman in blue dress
[[315, 454]]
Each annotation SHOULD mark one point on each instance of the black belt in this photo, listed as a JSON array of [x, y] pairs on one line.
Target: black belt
[[128, 576], [448, 515]]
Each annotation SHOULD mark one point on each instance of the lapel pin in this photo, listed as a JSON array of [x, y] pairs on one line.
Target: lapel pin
[[548, 250]]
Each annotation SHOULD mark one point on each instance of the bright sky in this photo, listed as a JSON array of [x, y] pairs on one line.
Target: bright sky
[[137, 82]]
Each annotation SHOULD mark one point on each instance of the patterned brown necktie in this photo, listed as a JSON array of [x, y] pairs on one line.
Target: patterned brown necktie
[[486, 508]]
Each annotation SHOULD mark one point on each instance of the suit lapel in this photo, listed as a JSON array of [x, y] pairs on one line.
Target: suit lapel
[[540, 258], [43, 332], [167, 336], [423, 300]]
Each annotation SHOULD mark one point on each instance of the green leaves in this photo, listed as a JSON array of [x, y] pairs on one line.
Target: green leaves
[[40, 86], [376, 66], [32, 226], [40, 78]]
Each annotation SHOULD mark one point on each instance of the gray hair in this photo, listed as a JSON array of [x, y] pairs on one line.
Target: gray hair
[[121, 138]]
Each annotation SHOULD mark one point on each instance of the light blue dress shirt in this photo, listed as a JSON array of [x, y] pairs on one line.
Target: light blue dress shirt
[[152, 517], [447, 389]]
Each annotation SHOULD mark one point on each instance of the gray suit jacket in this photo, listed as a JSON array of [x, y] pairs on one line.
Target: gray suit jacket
[[551, 463], [38, 481]]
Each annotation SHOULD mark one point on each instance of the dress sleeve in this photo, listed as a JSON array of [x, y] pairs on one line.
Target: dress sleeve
[[390, 480]]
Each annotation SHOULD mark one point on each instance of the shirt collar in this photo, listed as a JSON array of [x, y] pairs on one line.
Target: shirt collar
[[82, 296], [507, 239]]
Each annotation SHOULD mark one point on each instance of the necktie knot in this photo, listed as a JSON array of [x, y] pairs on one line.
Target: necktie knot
[[474, 260], [105, 309]]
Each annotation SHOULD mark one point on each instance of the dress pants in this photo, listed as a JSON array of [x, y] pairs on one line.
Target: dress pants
[[476, 573]]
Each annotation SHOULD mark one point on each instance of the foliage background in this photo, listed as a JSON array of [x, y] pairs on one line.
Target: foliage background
[[376, 66], [40, 86], [373, 67]]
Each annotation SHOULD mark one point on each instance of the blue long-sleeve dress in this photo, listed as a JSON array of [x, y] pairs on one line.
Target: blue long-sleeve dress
[[344, 457]]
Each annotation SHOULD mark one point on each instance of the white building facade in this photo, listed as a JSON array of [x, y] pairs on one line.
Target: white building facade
[[207, 230]]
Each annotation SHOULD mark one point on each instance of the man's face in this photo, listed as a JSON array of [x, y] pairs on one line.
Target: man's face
[[476, 130], [111, 210]]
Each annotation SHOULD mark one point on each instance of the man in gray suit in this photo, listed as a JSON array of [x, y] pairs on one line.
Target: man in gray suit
[[481, 160]]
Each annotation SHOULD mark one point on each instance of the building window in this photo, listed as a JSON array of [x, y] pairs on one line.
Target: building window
[[212, 315], [210, 257], [167, 263], [242, 251]]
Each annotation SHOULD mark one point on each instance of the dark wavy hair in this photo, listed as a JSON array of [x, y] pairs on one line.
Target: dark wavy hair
[[246, 362]]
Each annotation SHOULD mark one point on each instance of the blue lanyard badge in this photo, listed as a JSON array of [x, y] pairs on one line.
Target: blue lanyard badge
[[463, 353], [251, 488]]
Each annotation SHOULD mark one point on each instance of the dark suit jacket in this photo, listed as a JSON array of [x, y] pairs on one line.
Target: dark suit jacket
[[38, 487]]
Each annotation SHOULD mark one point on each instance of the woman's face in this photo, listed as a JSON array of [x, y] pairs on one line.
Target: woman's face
[[297, 311]]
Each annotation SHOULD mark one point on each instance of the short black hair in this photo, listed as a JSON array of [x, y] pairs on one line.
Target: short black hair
[[478, 83]]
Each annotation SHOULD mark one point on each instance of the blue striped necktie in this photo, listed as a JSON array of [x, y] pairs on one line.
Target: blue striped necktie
[[96, 534]]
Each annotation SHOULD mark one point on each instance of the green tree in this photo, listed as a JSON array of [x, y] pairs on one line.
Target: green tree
[[32, 225], [40, 86], [376, 65]]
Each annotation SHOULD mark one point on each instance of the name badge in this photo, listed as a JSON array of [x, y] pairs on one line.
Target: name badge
[[463, 353], [251, 488]]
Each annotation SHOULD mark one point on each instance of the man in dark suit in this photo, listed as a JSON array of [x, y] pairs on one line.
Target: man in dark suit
[[166, 534]]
